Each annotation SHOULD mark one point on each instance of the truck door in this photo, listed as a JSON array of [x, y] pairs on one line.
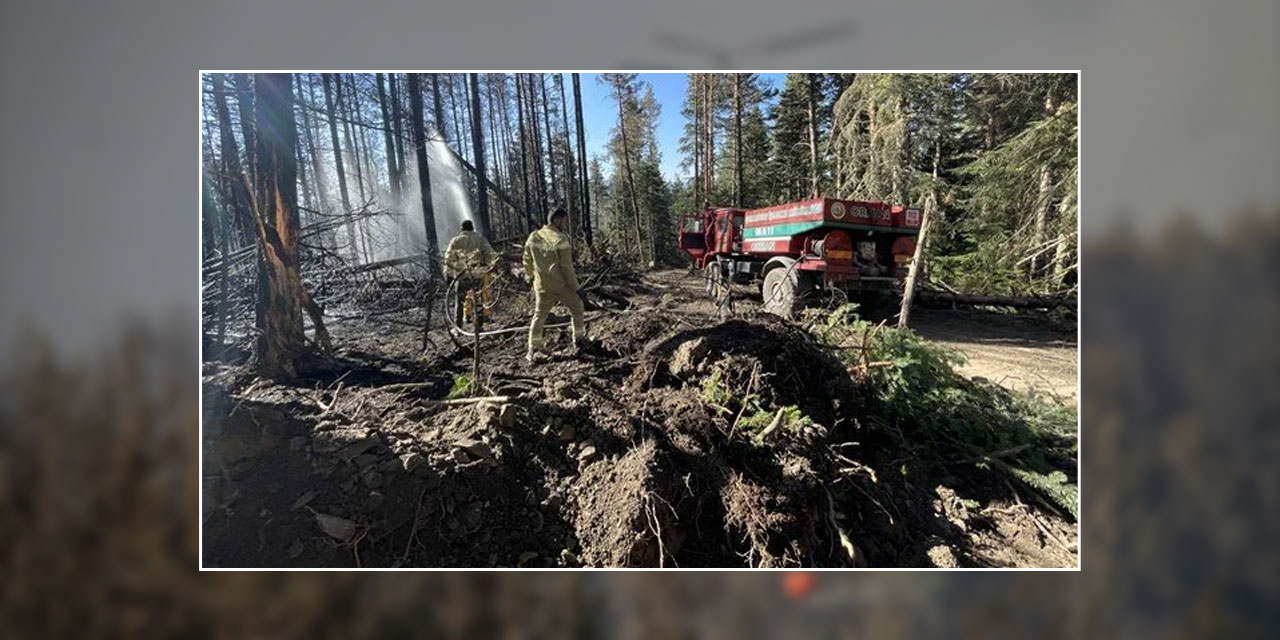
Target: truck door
[[692, 240]]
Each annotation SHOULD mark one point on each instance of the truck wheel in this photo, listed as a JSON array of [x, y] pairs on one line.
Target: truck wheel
[[782, 292], [713, 280]]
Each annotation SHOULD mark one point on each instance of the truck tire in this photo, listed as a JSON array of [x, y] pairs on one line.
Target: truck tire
[[782, 292]]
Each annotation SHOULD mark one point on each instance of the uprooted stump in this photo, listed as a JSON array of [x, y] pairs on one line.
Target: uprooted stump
[[788, 367]]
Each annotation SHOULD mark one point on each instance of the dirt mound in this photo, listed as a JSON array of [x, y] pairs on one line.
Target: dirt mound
[[672, 444], [762, 357]]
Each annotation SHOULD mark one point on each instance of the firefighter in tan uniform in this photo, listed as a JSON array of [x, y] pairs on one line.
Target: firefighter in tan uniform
[[548, 261], [470, 259]]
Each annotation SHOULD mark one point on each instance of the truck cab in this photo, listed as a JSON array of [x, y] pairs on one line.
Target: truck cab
[[712, 233]]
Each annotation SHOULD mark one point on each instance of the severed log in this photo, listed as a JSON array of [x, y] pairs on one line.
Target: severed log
[[1016, 302], [421, 258]]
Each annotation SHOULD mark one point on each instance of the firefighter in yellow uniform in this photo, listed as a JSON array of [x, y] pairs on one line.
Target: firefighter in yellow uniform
[[470, 259], [548, 261]]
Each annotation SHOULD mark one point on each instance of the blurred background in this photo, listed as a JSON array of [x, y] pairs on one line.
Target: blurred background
[[98, 296]]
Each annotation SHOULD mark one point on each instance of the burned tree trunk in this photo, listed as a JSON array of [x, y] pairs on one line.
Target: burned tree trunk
[[536, 133], [393, 172], [551, 148], [477, 145], [232, 186], [582, 159], [397, 119], [437, 106], [524, 153], [274, 202], [339, 166], [424, 172]]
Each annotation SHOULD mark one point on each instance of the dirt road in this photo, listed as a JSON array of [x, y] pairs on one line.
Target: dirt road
[[1018, 352]]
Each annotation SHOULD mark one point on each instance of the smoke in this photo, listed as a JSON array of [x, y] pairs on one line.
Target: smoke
[[401, 232]]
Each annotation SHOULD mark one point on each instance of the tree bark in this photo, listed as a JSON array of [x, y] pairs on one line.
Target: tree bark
[[568, 196], [709, 125], [1044, 202], [282, 343], [248, 129], [317, 172], [397, 118], [737, 139], [337, 154], [497, 223], [424, 172], [582, 158], [477, 145], [813, 135], [392, 170], [917, 259], [232, 183], [913, 274], [524, 152], [626, 159], [551, 148], [353, 161], [437, 107], [699, 188], [299, 149], [224, 249], [536, 131]]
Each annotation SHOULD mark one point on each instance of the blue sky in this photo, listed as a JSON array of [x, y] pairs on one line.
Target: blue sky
[[600, 114]]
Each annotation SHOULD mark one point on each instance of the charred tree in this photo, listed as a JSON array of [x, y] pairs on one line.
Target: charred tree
[[337, 147], [281, 345], [551, 150], [568, 192], [582, 159], [352, 160], [244, 100], [524, 152], [477, 145], [453, 106], [536, 132], [437, 107], [317, 171], [393, 171], [424, 173], [233, 192], [397, 119]]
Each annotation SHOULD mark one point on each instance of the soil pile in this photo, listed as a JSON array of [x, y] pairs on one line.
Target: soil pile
[[673, 441]]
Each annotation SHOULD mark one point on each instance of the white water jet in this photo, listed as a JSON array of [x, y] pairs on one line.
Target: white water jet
[[402, 233]]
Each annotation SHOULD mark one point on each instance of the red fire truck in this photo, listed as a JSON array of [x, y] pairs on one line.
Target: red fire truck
[[799, 248]]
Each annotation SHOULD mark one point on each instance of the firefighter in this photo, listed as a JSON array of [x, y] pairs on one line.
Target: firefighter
[[548, 262], [470, 260]]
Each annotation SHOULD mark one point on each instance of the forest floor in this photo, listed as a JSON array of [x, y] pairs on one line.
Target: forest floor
[[677, 440]]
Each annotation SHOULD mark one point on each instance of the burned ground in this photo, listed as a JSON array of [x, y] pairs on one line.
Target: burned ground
[[677, 440]]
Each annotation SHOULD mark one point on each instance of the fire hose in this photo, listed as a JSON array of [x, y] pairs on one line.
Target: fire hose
[[451, 298]]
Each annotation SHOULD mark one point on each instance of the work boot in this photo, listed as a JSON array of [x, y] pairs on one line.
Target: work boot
[[535, 357], [581, 347]]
